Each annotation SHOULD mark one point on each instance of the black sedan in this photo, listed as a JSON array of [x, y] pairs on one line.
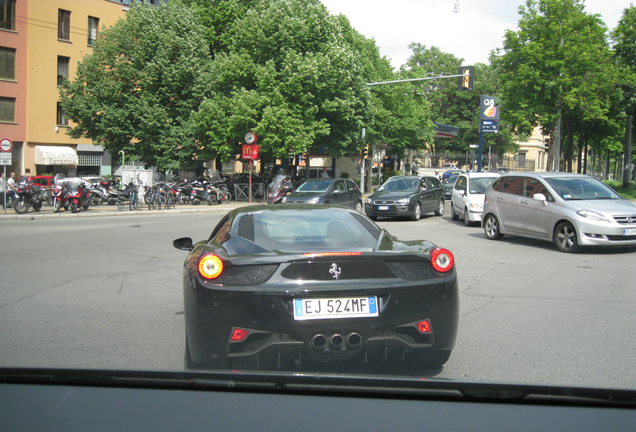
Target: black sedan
[[406, 196], [448, 184], [280, 286], [338, 191]]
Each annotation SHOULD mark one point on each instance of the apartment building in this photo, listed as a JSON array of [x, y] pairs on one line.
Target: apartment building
[[41, 41]]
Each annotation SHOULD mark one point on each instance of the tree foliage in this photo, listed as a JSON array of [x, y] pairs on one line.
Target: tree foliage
[[291, 76], [450, 106], [137, 89], [558, 64]]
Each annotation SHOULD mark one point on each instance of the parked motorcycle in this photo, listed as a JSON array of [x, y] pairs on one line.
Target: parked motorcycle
[[279, 187], [27, 195], [217, 181]]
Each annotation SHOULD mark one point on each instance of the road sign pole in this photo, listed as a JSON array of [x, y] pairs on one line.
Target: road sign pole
[[481, 146]]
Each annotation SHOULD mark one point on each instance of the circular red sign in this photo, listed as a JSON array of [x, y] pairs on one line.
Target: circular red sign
[[6, 145]]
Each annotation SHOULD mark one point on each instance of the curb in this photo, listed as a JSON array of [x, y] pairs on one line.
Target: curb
[[97, 212]]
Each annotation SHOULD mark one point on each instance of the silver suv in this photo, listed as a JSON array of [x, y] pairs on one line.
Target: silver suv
[[571, 210]]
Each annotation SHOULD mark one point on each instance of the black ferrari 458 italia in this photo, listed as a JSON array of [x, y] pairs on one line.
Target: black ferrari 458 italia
[[275, 287]]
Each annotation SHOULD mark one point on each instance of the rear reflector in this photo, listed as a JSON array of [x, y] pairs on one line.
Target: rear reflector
[[424, 326], [239, 335], [442, 260], [322, 254]]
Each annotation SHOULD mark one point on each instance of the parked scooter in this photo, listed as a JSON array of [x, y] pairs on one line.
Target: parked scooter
[[28, 194], [78, 195], [279, 188], [60, 193]]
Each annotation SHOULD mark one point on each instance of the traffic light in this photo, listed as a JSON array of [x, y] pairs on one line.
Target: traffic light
[[366, 151], [465, 81]]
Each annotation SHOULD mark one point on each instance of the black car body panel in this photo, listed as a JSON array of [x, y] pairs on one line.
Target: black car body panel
[[262, 284], [338, 191], [448, 184], [401, 200]]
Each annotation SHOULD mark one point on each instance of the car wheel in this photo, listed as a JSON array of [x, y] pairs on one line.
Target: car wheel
[[454, 215], [491, 228], [417, 212], [440, 209], [467, 221], [359, 206], [428, 358], [565, 238]]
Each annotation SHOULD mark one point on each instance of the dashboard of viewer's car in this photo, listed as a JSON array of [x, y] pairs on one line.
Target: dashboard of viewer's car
[[46, 400]]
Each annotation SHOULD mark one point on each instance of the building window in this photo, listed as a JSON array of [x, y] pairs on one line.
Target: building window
[[62, 69], [7, 110], [61, 116], [63, 25], [521, 160], [7, 14], [7, 63], [93, 26]]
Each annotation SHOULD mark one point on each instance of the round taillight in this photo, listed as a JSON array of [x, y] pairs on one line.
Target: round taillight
[[442, 260], [210, 266]]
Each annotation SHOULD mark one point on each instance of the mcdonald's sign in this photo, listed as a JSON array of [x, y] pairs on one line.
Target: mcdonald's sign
[[250, 151]]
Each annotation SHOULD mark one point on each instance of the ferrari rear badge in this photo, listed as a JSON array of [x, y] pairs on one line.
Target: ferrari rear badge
[[335, 271]]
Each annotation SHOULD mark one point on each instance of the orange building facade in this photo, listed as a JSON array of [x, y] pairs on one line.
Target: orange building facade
[[40, 42]]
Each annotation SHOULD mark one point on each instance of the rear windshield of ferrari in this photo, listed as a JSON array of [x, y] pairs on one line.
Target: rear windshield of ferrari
[[309, 231]]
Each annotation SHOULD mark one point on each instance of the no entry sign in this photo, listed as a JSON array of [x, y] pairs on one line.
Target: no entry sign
[[6, 145]]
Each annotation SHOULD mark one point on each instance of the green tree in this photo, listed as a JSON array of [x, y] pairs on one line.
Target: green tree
[[218, 17], [557, 68], [292, 77], [624, 37], [137, 89], [453, 107]]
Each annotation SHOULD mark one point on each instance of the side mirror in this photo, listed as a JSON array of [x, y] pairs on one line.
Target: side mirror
[[183, 243], [462, 192], [539, 197]]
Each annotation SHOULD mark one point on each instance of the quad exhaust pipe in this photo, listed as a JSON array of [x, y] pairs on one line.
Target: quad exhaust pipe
[[354, 340], [320, 341]]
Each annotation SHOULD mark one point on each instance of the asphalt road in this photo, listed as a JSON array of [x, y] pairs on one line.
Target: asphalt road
[[105, 292]]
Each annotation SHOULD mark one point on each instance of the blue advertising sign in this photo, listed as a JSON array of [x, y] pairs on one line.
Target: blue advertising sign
[[488, 126]]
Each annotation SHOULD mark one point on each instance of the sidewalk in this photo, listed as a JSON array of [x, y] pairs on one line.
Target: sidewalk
[[111, 210]]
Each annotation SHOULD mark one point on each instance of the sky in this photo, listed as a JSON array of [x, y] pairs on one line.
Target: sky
[[471, 34]]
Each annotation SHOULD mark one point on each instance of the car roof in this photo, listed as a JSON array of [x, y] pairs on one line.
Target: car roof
[[481, 174], [327, 179], [551, 174]]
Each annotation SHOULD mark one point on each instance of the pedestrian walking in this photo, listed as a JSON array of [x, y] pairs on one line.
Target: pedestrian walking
[[11, 189], [3, 190], [325, 174]]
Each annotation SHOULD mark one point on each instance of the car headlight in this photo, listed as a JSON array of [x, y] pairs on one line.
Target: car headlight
[[368, 201], [592, 215], [314, 200], [403, 201], [477, 207], [284, 199]]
